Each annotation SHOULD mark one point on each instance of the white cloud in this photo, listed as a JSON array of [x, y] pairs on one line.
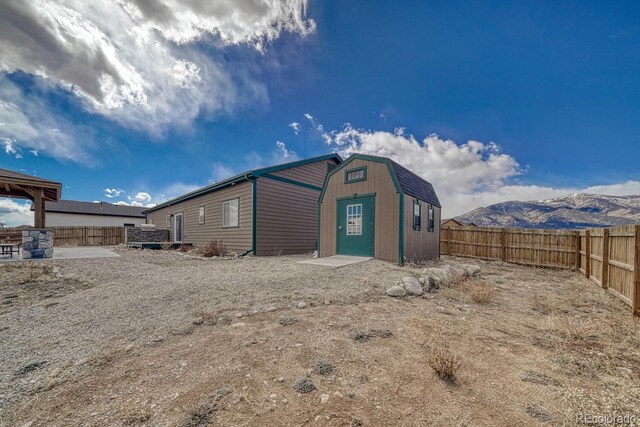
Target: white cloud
[[314, 122], [15, 212], [295, 126], [221, 171], [286, 153], [465, 176], [141, 196], [138, 62], [113, 192]]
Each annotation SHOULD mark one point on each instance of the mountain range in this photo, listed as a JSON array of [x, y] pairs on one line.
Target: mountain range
[[574, 211]]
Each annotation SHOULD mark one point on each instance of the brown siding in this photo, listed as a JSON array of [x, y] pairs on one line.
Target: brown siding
[[286, 218], [287, 214], [237, 239], [420, 245], [387, 203], [313, 173]]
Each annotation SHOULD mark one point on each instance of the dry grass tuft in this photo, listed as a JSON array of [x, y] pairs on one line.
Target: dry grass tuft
[[213, 248], [541, 305], [304, 386], [481, 292], [287, 320], [136, 416], [364, 336], [184, 248], [445, 364]]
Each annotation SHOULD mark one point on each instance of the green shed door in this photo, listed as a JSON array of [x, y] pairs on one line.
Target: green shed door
[[356, 218]]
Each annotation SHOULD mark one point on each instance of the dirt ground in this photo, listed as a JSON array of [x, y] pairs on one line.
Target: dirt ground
[[160, 339]]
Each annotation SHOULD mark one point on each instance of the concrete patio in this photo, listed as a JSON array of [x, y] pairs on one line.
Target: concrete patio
[[337, 261], [78, 252]]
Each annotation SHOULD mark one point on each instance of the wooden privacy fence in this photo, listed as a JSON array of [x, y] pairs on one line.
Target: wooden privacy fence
[[77, 236], [610, 257]]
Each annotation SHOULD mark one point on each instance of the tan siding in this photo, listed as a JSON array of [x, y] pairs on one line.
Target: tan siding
[[313, 173], [237, 239], [286, 218], [420, 245], [386, 231]]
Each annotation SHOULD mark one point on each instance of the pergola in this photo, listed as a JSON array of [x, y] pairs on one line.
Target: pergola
[[22, 186]]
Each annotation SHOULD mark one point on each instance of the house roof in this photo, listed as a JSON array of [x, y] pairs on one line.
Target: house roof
[[14, 184], [93, 208], [405, 181], [244, 176], [459, 222]]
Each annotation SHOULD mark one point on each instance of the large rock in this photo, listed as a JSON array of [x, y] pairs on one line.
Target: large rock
[[396, 291], [412, 286]]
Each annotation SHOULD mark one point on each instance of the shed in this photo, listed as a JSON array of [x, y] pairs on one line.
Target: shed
[[266, 211], [373, 206]]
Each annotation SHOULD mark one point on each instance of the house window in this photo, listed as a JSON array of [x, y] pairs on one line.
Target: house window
[[355, 175], [417, 215], [230, 215], [168, 220], [432, 218], [128, 224], [201, 215], [354, 220]]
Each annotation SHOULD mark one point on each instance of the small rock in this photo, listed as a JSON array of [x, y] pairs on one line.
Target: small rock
[[423, 280], [301, 305], [324, 398], [129, 347], [396, 291], [327, 302], [158, 339], [238, 325], [273, 396], [338, 394], [271, 309], [284, 401], [280, 379], [238, 315], [412, 286], [198, 321]]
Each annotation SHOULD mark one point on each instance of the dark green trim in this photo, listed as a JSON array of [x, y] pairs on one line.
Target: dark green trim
[[384, 160], [245, 176], [222, 212], [318, 236], [275, 168], [348, 171], [291, 181], [355, 196], [401, 231], [254, 208]]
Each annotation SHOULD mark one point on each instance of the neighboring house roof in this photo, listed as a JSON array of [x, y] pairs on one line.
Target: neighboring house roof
[[405, 181], [457, 221], [93, 208], [245, 176]]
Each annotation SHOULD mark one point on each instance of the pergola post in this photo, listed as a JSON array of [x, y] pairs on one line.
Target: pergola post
[[38, 208]]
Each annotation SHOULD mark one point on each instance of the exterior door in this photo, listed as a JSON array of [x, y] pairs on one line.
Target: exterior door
[[178, 230], [356, 220]]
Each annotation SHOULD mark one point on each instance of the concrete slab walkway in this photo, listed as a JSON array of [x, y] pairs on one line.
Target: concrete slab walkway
[[77, 252], [337, 261]]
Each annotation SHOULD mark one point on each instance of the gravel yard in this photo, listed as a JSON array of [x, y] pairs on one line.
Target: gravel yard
[[159, 338]]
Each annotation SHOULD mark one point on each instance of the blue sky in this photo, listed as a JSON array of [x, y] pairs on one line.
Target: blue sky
[[490, 101]]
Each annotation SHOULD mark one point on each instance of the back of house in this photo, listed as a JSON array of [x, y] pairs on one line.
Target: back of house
[[266, 211]]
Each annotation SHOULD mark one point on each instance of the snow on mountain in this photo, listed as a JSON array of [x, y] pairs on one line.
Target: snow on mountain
[[574, 211]]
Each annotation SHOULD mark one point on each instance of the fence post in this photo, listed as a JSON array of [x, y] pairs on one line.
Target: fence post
[[605, 258], [577, 251], [635, 291], [503, 244], [587, 251]]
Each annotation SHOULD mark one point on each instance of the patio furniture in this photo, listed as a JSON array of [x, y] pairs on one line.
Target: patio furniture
[[8, 248]]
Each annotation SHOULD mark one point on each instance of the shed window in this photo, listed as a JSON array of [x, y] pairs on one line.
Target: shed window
[[168, 220], [355, 175], [201, 215], [417, 214], [432, 218], [354, 220], [230, 213]]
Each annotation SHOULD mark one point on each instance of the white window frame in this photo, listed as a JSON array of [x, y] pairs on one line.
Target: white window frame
[[354, 229], [201, 215], [168, 220], [227, 223]]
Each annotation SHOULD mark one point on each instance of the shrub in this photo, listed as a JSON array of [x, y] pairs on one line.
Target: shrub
[[287, 320], [214, 248], [304, 386], [184, 248], [445, 364], [323, 367], [482, 293]]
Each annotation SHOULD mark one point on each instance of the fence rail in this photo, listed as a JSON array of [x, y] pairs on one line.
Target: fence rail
[[76, 236], [609, 257]]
